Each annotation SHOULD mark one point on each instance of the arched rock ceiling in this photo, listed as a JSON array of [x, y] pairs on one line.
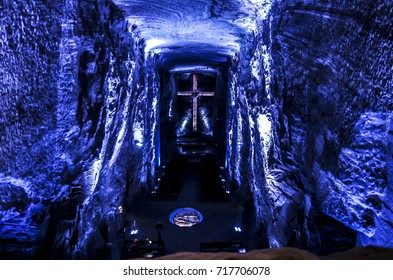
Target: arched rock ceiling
[[190, 32]]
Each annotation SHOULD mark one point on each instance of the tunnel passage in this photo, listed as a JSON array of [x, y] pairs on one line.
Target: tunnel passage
[[306, 85], [192, 121], [191, 145]]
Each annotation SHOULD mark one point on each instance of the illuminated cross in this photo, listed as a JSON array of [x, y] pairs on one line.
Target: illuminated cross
[[195, 94]]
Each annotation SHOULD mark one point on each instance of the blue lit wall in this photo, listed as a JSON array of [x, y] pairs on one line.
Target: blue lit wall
[[309, 114], [79, 108]]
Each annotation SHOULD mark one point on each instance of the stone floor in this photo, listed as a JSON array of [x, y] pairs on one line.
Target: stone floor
[[219, 217]]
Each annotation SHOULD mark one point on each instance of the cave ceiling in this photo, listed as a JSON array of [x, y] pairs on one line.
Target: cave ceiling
[[190, 32]]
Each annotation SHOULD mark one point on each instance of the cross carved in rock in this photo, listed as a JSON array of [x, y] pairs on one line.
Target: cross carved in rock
[[195, 93]]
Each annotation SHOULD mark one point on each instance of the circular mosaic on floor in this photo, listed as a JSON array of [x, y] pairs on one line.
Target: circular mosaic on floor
[[185, 217]]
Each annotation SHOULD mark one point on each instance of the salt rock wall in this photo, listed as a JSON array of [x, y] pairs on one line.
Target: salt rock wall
[[255, 155], [332, 66], [77, 126], [30, 173], [309, 122], [111, 145]]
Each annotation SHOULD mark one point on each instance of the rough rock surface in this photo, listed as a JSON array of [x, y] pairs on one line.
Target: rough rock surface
[[29, 162], [356, 196], [332, 72], [79, 103], [309, 120]]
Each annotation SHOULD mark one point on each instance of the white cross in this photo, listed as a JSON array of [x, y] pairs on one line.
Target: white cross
[[195, 94]]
